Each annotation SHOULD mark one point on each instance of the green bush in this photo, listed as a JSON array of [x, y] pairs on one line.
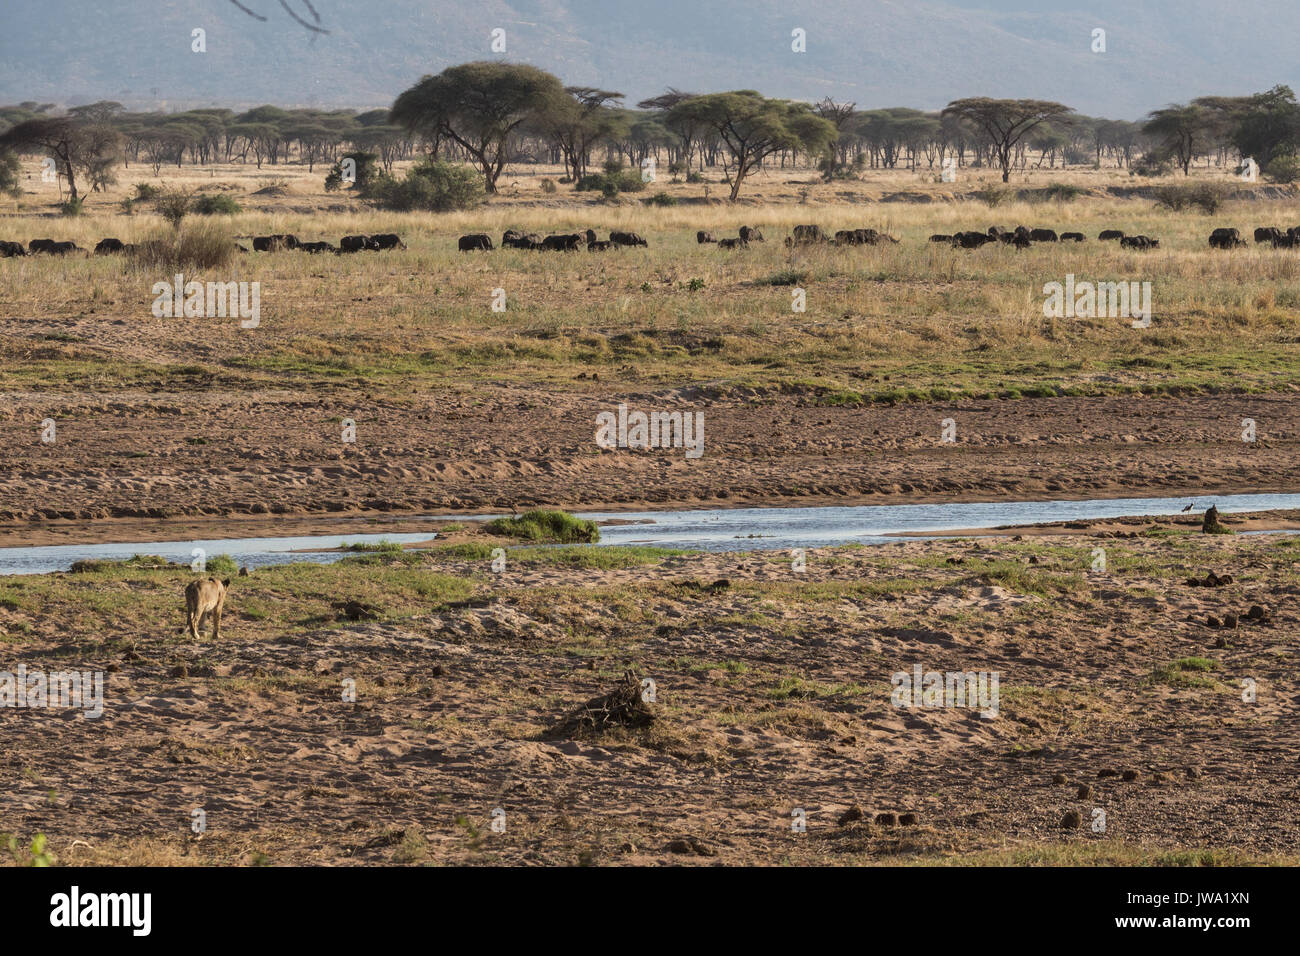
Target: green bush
[[221, 564], [72, 207], [367, 172], [216, 205], [10, 170], [1208, 197], [546, 526], [994, 195], [1283, 169], [173, 205], [430, 186], [660, 199], [611, 184], [146, 191]]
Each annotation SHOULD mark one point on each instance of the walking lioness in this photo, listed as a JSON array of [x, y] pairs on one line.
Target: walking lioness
[[204, 597]]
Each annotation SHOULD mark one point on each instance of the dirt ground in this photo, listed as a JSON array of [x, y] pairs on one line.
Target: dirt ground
[[772, 695], [167, 463]]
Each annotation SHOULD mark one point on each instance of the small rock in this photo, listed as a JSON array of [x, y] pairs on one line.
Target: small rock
[[1212, 621], [438, 670], [179, 671], [1256, 613], [886, 819], [1107, 772], [113, 668], [1220, 641], [909, 819], [1060, 778], [1230, 620], [1192, 773], [1085, 791], [1072, 820], [1130, 775]]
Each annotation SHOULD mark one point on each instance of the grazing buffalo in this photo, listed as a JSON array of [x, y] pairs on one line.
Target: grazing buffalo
[[940, 237], [387, 240], [350, 244], [750, 234], [1111, 234], [567, 243], [476, 241], [1043, 235], [109, 245], [736, 243], [804, 234], [997, 232], [702, 237], [590, 235], [971, 239], [1139, 242], [1226, 238], [627, 239], [8, 249], [52, 248], [316, 247], [275, 243], [601, 245], [1288, 240], [1073, 237], [1266, 234], [515, 239]]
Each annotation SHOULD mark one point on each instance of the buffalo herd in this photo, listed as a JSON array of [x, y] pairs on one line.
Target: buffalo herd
[[566, 242], [1021, 237]]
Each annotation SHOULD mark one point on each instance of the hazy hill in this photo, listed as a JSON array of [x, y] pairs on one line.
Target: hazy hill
[[876, 52]]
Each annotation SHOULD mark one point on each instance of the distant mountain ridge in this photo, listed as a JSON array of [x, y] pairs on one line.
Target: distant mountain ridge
[[920, 53]]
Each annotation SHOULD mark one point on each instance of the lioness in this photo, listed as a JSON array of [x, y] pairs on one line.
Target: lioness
[[204, 597]]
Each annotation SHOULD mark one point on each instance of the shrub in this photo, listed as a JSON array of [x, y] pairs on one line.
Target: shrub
[[10, 169], [220, 564], [201, 246], [1062, 192], [146, 191], [1207, 197], [548, 186], [1283, 169], [994, 194], [546, 526], [367, 172], [215, 205], [430, 186], [173, 205], [660, 199], [611, 184], [72, 207]]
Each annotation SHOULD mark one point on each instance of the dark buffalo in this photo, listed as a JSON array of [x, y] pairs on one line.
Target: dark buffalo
[[601, 245], [702, 237], [350, 244], [570, 242], [1073, 237], [997, 232], [1043, 235], [109, 245], [40, 245], [316, 247], [1266, 234], [590, 236], [387, 240], [515, 239], [53, 248], [736, 243], [274, 243], [1110, 234], [627, 239], [1139, 242], [804, 234], [1226, 238], [750, 234], [971, 239], [476, 241], [8, 249], [940, 237]]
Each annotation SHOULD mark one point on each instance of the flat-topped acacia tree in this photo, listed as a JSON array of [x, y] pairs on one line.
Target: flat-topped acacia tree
[[753, 127], [481, 106], [1005, 122]]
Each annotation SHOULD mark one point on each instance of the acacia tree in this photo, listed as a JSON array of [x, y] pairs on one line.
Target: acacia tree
[[58, 136], [752, 127], [1005, 122], [1181, 130], [481, 106]]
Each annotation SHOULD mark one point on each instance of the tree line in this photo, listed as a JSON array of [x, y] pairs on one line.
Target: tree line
[[492, 114]]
